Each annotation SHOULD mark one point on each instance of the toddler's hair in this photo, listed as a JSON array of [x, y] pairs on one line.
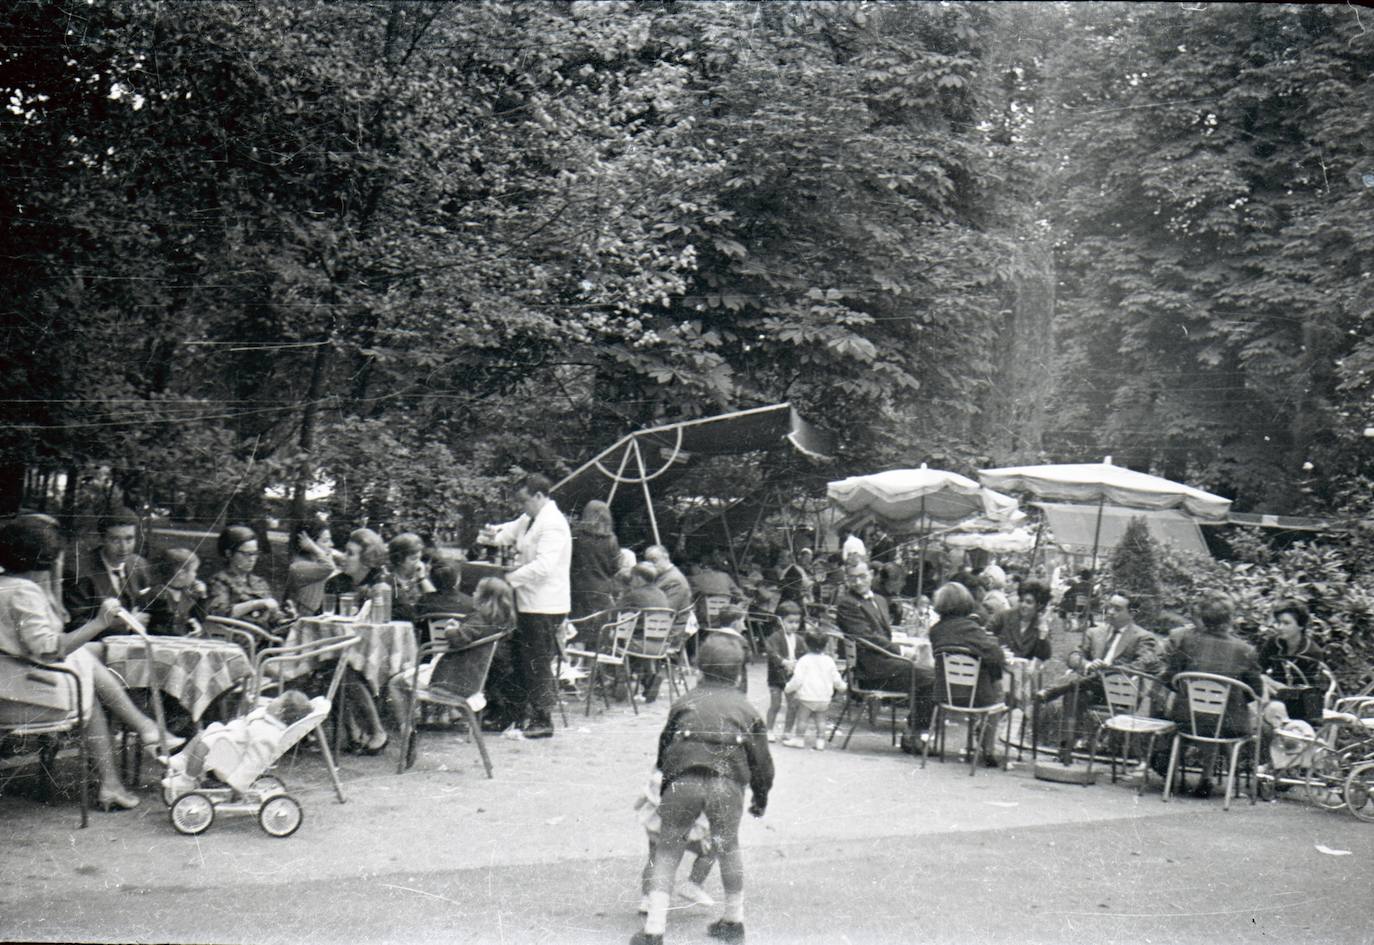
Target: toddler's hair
[[815, 641], [788, 608], [291, 706]]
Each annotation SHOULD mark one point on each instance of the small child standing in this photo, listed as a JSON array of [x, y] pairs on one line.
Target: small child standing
[[698, 842], [711, 747], [782, 649], [814, 683]]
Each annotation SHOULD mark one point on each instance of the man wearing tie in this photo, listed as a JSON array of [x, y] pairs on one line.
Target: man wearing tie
[[1121, 642], [864, 615], [112, 570]]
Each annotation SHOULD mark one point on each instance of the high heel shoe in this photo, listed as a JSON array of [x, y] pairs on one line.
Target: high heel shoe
[[376, 749], [108, 800]]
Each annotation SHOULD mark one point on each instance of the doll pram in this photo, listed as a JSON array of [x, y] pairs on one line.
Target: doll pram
[[195, 801]]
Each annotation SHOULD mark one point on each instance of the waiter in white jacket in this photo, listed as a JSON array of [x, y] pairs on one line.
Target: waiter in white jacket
[[543, 545]]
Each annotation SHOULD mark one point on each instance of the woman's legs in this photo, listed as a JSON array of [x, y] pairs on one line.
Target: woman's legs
[[97, 736], [111, 692]]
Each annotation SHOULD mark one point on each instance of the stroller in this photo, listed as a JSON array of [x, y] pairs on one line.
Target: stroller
[[195, 801]]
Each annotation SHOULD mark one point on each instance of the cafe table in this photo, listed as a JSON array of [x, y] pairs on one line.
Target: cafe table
[[193, 671], [914, 647], [383, 650]]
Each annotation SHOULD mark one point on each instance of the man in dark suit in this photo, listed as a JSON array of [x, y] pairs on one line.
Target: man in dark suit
[[864, 615], [112, 570]]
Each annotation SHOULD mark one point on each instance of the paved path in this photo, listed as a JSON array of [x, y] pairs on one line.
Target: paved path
[[858, 846]]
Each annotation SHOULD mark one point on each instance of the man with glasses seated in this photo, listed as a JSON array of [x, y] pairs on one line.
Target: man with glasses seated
[[1120, 642]]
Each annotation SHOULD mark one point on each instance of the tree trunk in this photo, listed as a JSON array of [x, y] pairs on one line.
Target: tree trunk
[[309, 421]]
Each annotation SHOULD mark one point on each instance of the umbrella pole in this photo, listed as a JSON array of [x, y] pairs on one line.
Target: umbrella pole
[[921, 565], [1097, 537]]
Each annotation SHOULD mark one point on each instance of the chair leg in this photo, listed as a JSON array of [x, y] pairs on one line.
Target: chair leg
[[855, 724], [591, 684], [1169, 772], [1006, 755], [1231, 776], [558, 688], [1092, 755], [329, 762], [407, 730], [930, 736], [844, 710], [629, 684], [475, 728], [1145, 776]]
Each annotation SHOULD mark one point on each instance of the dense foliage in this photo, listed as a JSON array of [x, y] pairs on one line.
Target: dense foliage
[[404, 248]]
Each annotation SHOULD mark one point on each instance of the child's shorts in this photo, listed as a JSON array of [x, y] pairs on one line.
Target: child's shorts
[[815, 705]]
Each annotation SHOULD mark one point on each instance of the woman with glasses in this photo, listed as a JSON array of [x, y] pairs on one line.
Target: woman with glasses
[[236, 591]]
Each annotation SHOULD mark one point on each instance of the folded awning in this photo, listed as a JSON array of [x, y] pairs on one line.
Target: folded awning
[[1073, 527], [1288, 523], [650, 459]]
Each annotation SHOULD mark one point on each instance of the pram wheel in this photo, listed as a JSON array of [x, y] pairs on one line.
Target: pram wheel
[[280, 815], [1323, 783], [267, 784], [1359, 792], [193, 813]]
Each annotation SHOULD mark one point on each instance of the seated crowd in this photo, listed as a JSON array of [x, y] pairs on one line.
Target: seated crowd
[[794, 613]]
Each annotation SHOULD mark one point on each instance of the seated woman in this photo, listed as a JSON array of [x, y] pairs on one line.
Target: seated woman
[[31, 627], [236, 591], [408, 578], [313, 561], [1287, 655], [176, 605], [957, 628], [363, 571], [1025, 629]]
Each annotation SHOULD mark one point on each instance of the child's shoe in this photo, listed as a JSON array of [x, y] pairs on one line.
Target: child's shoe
[[694, 893], [726, 931], [820, 744], [793, 741], [644, 938], [772, 736], [644, 905]]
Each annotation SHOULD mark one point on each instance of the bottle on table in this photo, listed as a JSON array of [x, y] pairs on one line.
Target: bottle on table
[[381, 603]]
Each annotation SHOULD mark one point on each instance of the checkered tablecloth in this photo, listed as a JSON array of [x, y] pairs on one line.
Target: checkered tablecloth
[[194, 672], [384, 650]]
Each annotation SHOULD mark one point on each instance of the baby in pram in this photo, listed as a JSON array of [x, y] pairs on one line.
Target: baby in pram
[[237, 751]]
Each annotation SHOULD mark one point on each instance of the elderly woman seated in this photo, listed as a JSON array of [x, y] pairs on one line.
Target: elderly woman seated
[[31, 621]]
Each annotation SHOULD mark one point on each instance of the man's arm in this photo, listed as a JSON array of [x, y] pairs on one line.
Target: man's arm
[[1149, 654], [1082, 655], [507, 533]]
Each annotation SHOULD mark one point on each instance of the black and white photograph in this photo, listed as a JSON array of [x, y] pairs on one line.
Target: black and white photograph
[[798, 472]]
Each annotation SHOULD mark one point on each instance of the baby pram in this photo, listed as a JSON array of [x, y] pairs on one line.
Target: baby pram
[[195, 801]]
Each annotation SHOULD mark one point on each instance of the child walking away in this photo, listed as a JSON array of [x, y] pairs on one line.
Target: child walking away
[[783, 648], [713, 745], [697, 841], [814, 683]]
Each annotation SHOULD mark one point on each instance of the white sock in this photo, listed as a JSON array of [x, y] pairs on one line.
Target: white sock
[[657, 920], [734, 907]]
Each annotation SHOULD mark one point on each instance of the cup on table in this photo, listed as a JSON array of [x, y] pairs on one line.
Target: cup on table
[[331, 604], [348, 604]]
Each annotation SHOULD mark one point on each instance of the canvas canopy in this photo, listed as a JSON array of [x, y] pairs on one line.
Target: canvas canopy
[[1074, 526], [1107, 484], [639, 465]]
